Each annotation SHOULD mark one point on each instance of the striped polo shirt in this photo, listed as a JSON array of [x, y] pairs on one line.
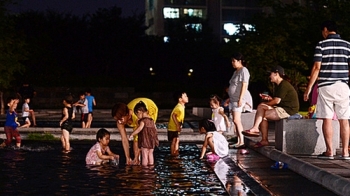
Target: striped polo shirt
[[334, 55]]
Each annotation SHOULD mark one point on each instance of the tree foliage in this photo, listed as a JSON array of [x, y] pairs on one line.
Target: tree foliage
[[12, 51], [287, 35]]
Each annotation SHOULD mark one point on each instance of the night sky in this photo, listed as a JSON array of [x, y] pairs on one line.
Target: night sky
[[79, 7]]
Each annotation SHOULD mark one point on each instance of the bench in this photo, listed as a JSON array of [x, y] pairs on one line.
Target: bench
[[303, 136]]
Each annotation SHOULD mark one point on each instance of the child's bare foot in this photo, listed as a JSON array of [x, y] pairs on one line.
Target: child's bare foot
[[128, 161], [176, 153], [136, 162]]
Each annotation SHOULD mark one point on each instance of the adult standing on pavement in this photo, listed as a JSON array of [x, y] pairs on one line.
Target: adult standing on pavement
[[331, 70], [240, 98]]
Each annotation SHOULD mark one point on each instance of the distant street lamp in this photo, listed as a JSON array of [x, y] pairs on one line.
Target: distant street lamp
[[190, 71], [151, 70]]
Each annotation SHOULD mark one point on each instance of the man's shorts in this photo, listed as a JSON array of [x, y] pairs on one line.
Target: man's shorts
[[333, 98], [281, 113], [172, 135], [25, 119], [84, 117]]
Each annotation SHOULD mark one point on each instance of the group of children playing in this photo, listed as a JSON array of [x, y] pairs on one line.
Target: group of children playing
[[147, 133], [86, 104], [144, 135], [87, 101]]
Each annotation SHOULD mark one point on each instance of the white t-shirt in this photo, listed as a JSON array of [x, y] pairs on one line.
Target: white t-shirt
[[218, 119], [220, 144], [236, 83], [84, 109], [24, 107]]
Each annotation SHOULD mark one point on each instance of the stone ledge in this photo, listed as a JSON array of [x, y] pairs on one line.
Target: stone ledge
[[187, 134], [88, 130], [303, 136]]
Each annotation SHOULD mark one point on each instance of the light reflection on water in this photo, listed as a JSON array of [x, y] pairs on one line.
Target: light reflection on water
[[40, 168]]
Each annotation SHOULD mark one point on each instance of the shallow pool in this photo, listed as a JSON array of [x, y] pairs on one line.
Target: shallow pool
[[39, 168]]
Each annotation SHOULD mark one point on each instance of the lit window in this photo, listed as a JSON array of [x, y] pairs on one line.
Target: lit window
[[232, 29], [197, 27], [194, 12], [166, 39], [171, 12]]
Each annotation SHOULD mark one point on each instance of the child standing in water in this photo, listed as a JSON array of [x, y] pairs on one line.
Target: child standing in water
[[147, 134], [11, 123], [100, 152], [216, 141], [84, 110], [66, 122], [176, 120], [91, 104], [219, 117]]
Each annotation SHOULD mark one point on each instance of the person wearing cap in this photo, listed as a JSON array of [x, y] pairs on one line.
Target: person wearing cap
[[331, 71], [282, 104]]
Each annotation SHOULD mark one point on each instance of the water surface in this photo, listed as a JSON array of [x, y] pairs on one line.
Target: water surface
[[40, 168]]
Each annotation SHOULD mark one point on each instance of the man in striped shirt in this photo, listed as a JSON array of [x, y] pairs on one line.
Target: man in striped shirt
[[330, 69]]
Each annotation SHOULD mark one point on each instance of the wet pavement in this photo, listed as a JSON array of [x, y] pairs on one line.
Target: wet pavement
[[276, 181], [331, 174]]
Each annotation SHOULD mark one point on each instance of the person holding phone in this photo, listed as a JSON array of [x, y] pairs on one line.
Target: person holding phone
[[282, 104]]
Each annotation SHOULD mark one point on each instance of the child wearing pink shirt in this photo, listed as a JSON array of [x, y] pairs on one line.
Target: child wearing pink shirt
[[100, 153]]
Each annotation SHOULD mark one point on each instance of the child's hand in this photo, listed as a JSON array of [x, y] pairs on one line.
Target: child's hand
[[15, 101], [227, 102], [178, 128], [228, 124], [131, 137]]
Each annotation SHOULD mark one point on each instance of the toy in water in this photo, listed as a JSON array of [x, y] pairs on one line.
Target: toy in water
[[212, 157], [279, 165], [114, 162], [244, 151]]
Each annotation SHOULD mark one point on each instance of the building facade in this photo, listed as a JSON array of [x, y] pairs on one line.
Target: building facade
[[222, 16]]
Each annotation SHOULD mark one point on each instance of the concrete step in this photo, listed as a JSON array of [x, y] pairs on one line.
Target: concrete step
[[187, 134]]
